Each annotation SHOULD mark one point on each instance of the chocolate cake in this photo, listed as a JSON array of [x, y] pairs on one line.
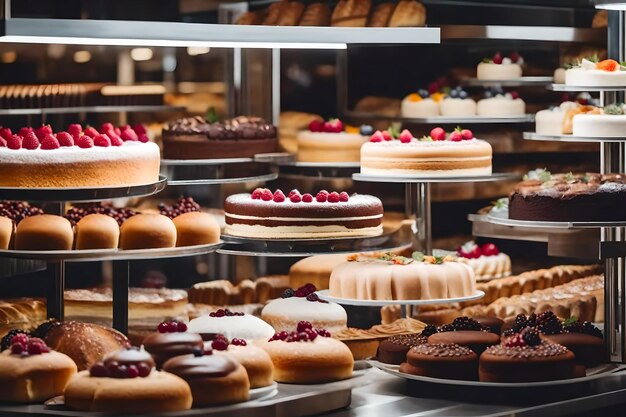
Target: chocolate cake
[[569, 198], [394, 349], [447, 361], [197, 138]]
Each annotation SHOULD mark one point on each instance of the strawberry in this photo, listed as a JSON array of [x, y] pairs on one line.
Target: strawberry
[[307, 198], [438, 134], [15, 142], [514, 56], [42, 131], [377, 137], [514, 341], [256, 194], [30, 141], [102, 140], [514, 95], [497, 58], [322, 196], [293, 192], [129, 134], [406, 136], [144, 138], [65, 139], [267, 195], [387, 136], [140, 129], [279, 197], [467, 134], [489, 249], [608, 65], [75, 130], [344, 197], [5, 133], [316, 125], [456, 136], [91, 132], [84, 142], [106, 127], [50, 142], [3, 142], [470, 250], [333, 197], [24, 131], [333, 126]]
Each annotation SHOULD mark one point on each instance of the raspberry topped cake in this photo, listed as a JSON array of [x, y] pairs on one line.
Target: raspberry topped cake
[[486, 260], [500, 67], [267, 214], [331, 142], [231, 324], [437, 155], [590, 73], [78, 157]]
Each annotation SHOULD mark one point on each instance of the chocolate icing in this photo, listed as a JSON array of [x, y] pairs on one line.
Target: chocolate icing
[[477, 341], [442, 350], [544, 350], [190, 366], [163, 346], [241, 127], [394, 349]]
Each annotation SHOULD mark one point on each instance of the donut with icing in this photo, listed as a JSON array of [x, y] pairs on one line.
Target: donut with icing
[[171, 339], [230, 324], [447, 361]]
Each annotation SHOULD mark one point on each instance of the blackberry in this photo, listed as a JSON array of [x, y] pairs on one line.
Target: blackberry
[[520, 322], [6, 340], [572, 326], [466, 323], [532, 320], [531, 337], [588, 328], [429, 330], [446, 328], [549, 323], [288, 293]]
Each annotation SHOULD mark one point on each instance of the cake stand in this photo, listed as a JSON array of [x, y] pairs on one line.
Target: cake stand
[[569, 138], [289, 167], [185, 172], [324, 295], [523, 81], [443, 120]]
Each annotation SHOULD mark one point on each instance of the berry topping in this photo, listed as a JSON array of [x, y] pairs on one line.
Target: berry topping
[[307, 198], [225, 313], [143, 138], [590, 329], [515, 57], [91, 132], [295, 198], [333, 126], [304, 325], [182, 327], [489, 249], [288, 293], [279, 197], [433, 87], [438, 134], [98, 370], [85, 142], [3, 142], [406, 136], [386, 135], [256, 194], [128, 134], [24, 345], [15, 142], [304, 333], [50, 142], [267, 195], [429, 330], [107, 127], [42, 131], [238, 342], [293, 192], [220, 343], [377, 137], [497, 58], [75, 130], [140, 129], [132, 371], [316, 125], [17, 348], [333, 197], [322, 196], [163, 327], [608, 65], [102, 141], [514, 95], [323, 332], [514, 341], [466, 323], [531, 337], [144, 369], [312, 297], [30, 141], [65, 139], [467, 134], [456, 136], [115, 140], [549, 323], [5, 133], [470, 250], [366, 130], [344, 197]]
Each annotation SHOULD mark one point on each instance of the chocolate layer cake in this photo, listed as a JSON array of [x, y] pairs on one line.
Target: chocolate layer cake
[[196, 138], [447, 361], [569, 198]]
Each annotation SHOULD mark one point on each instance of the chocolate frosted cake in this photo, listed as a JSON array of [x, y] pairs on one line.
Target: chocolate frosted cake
[[197, 138], [447, 361], [394, 349], [569, 198]]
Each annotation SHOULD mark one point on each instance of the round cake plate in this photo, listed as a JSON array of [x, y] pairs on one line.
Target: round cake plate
[[275, 158], [204, 162], [501, 218], [513, 82], [323, 294], [321, 164], [601, 371], [578, 88], [259, 178], [82, 194], [111, 254], [570, 138], [475, 178], [524, 118]]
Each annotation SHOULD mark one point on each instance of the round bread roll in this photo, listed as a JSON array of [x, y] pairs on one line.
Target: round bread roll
[[196, 228], [97, 231], [6, 232], [145, 231], [158, 392], [34, 378], [44, 232], [257, 362]]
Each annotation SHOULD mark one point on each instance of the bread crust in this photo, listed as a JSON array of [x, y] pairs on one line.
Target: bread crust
[[408, 13]]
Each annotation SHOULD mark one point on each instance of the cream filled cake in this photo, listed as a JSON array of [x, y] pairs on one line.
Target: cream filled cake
[[384, 276], [607, 73], [499, 104], [457, 103], [437, 155], [264, 214], [304, 305], [40, 158], [421, 104], [486, 260], [329, 142], [499, 67], [231, 324], [611, 123]]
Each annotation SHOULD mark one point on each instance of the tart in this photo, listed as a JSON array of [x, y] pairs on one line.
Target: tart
[[486, 260]]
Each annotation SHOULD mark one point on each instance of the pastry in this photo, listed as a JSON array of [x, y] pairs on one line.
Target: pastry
[[499, 104], [551, 121], [446, 361], [384, 106], [394, 349], [381, 15], [213, 379], [290, 14], [40, 158], [524, 357], [292, 122], [437, 155], [224, 293], [264, 214], [196, 138], [568, 197], [328, 142], [352, 13], [610, 122], [315, 14], [30, 372], [249, 18], [408, 13], [196, 228], [257, 362], [314, 269], [486, 260], [85, 343], [231, 325], [304, 305], [587, 73], [144, 231], [499, 68], [97, 231], [171, 339], [457, 103], [600, 19], [422, 104], [44, 232], [21, 313], [308, 356], [383, 276], [125, 382], [6, 232]]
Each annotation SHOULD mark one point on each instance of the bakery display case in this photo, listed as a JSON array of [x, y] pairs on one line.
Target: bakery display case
[[343, 151]]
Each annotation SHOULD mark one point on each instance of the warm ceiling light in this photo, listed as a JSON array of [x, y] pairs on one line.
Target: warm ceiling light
[[197, 50], [80, 57], [141, 54], [9, 57]]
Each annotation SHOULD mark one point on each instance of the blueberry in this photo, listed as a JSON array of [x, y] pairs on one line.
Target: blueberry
[[366, 130], [423, 93], [488, 94], [463, 94], [454, 93]]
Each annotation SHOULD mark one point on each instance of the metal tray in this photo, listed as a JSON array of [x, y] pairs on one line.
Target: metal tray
[[578, 88], [474, 178], [514, 82], [570, 138], [502, 218], [455, 120], [323, 294]]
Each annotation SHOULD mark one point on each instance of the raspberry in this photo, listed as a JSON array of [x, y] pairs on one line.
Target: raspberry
[[497, 58], [377, 137], [75, 130], [303, 325], [467, 134], [14, 142], [17, 348], [438, 134], [333, 126], [406, 136], [163, 327], [515, 341], [387, 136], [514, 95], [143, 138], [128, 133], [34, 349], [182, 327], [140, 129], [106, 127], [5, 133], [344, 197], [21, 338], [307, 198], [322, 196], [489, 249], [219, 344], [279, 197], [333, 197], [316, 125], [65, 139], [295, 198], [30, 141], [50, 142], [85, 142], [293, 192], [256, 194], [91, 132], [42, 131], [456, 136], [267, 195], [3, 142], [102, 141], [25, 131], [115, 140], [312, 297]]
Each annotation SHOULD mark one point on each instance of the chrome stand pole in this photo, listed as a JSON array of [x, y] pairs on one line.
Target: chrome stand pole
[[121, 281], [56, 284], [423, 221]]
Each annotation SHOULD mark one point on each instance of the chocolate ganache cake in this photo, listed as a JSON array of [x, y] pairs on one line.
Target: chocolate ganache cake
[[197, 138], [569, 197]]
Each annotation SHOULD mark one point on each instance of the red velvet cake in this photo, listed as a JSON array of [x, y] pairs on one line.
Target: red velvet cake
[[267, 214]]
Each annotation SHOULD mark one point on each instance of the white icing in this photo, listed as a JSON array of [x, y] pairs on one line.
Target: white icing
[[427, 173], [599, 125], [586, 75], [423, 108], [491, 71], [550, 121], [284, 312], [501, 106], [302, 219], [243, 327], [458, 107]]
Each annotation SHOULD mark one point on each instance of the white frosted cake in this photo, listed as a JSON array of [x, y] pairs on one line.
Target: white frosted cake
[[502, 105], [559, 76], [611, 124], [231, 324], [550, 121], [607, 73], [414, 105], [458, 103], [500, 68], [486, 260]]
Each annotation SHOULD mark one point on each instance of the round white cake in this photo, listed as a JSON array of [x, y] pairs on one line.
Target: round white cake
[[458, 107], [285, 313], [600, 125], [415, 106], [501, 106], [245, 326], [490, 71], [489, 267], [607, 73], [550, 121]]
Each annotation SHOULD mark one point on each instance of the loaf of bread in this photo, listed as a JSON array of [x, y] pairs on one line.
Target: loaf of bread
[[351, 13], [408, 13], [315, 14], [21, 313]]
